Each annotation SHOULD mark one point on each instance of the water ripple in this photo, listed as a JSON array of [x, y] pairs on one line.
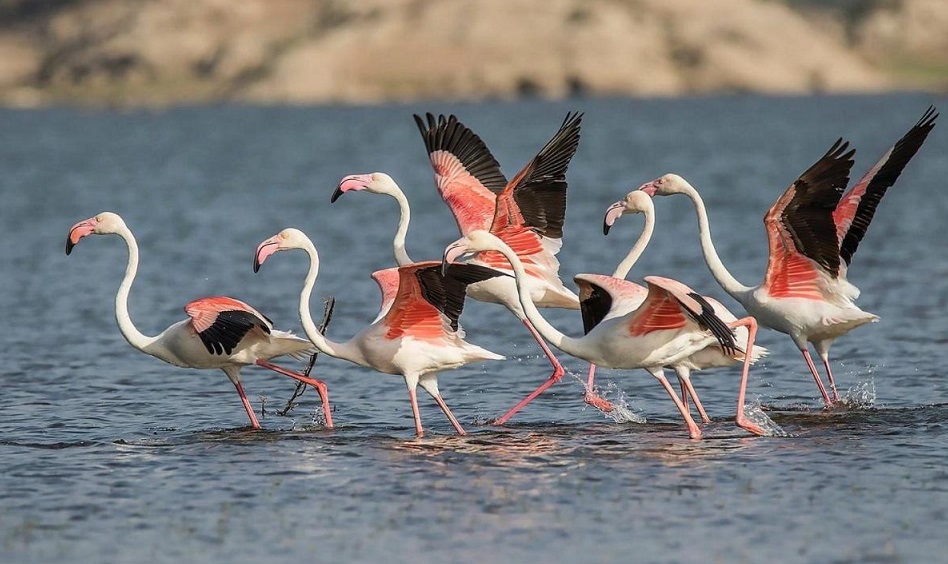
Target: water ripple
[[111, 456]]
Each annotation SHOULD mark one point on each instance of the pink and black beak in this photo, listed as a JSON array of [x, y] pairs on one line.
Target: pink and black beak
[[613, 213], [78, 231], [650, 188], [351, 182], [264, 250], [451, 254]]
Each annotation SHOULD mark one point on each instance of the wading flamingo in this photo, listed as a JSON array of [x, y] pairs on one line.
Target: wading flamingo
[[671, 324], [604, 297], [220, 332], [813, 231], [527, 213], [416, 334]]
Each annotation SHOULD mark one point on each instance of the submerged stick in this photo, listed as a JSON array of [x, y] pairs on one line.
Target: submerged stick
[[329, 304]]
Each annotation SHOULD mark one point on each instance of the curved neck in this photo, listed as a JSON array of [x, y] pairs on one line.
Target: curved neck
[[636, 251], [553, 335], [727, 281], [331, 348], [401, 255], [131, 333]]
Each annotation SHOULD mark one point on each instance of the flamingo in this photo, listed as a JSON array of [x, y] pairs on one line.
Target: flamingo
[[813, 231], [416, 334], [604, 297], [671, 324], [527, 213], [220, 332]]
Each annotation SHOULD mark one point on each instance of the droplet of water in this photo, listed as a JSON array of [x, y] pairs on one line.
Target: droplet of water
[[621, 408], [757, 416], [863, 394], [318, 417]]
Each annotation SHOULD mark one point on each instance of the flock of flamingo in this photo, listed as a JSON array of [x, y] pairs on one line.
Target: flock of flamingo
[[511, 231]]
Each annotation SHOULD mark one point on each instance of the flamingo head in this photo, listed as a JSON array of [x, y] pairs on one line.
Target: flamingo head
[[377, 183], [475, 241], [665, 185], [285, 240], [101, 224], [636, 201]]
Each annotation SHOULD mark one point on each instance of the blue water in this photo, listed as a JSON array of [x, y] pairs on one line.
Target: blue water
[[108, 455]]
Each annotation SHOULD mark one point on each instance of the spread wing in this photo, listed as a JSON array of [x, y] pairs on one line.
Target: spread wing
[[800, 229], [447, 291], [428, 303], [856, 209], [387, 279], [222, 322], [670, 305], [530, 210], [536, 197], [466, 173], [603, 297]]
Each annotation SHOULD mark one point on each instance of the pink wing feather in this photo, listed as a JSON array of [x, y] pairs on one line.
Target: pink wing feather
[[470, 202], [846, 209], [801, 233], [411, 314], [387, 279], [602, 297], [531, 207], [857, 207], [672, 305], [222, 322], [205, 311], [661, 310], [466, 174]]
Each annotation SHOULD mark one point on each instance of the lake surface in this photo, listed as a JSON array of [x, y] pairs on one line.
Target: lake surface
[[108, 455]]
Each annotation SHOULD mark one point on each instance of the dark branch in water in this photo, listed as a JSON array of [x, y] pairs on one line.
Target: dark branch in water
[[329, 304]]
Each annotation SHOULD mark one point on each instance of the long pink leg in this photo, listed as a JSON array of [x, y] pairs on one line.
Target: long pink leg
[[829, 374], [684, 394], [591, 397], [693, 431], [243, 398], [742, 421], [816, 376], [554, 378], [688, 390], [414, 411], [444, 408], [320, 386]]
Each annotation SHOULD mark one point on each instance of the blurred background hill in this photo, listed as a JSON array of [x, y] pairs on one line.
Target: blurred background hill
[[162, 52]]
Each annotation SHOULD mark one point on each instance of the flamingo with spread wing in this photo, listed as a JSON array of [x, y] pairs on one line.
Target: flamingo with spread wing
[[813, 230], [671, 324], [527, 213], [416, 333], [604, 297]]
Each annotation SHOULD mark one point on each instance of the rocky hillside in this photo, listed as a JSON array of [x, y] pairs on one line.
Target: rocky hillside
[[156, 52]]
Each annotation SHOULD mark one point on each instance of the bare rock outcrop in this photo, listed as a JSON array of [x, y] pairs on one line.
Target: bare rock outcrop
[[133, 52]]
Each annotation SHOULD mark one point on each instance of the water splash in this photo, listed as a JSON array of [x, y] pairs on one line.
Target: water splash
[[621, 406], [862, 395], [755, 413], [319, 418]]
